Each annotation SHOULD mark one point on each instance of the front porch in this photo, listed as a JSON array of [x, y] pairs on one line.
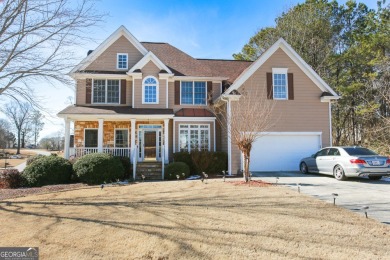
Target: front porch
[[139, 139]]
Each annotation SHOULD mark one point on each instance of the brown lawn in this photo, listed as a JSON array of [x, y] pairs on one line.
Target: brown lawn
[[189, 220], [25, 153]]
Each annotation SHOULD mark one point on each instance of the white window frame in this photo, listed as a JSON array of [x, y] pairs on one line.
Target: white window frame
[[85, 138], [189, 133], [128, 137], [117, 61], [105, 91], [193, 92], [279, 71], [157, 90]]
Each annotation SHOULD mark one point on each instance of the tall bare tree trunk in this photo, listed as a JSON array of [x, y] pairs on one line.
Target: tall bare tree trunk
[[18, 148], [247, 156]]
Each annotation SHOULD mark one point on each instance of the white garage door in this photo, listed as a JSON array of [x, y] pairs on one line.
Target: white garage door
[[283, 151]]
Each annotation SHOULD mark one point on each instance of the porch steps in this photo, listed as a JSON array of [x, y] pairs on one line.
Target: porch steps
[[151, 170]]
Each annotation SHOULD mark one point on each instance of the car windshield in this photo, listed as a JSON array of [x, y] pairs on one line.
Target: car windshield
[[359, 151]]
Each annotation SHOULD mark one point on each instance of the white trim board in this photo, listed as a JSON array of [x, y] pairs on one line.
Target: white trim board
[[194, 119], [123, 117]]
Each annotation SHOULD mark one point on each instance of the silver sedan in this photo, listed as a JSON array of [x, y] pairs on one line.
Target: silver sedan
[[348, 161]]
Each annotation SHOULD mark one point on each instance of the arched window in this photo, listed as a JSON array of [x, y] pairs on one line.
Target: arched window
[[150, 90]]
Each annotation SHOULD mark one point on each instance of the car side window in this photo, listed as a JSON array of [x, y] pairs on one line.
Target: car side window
[[323, 152], [334, 152]]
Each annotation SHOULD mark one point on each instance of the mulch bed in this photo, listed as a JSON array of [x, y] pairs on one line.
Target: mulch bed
[[21, 192], [253, 183]]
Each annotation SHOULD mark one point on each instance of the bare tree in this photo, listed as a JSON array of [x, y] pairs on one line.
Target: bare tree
[[18, 114], [249, 118], [36, 39], [7, 138], [36, 125], [26, 133]]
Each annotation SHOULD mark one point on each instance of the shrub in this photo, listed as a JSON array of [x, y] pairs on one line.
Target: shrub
[[126, 165], [48, 170], [34, 158], [11, 179], [97, 168], [204, 161], [186, 158], [177, 168], [218, 163], [201, 160]]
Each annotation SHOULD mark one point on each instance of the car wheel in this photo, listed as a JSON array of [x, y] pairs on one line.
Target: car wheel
[[303, 168], [375, 177], [338, 173]]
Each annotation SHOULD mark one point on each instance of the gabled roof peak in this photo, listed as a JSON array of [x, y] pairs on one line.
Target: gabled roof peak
[[282, 44], [150, 57], [121, 31]]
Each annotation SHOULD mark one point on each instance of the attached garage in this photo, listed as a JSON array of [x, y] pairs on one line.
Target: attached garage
[[281, 151]]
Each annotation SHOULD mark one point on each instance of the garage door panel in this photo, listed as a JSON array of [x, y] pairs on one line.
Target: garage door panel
[[275, 152]]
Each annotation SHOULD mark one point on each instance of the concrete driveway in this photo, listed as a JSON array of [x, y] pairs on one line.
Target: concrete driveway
[[353, 194]]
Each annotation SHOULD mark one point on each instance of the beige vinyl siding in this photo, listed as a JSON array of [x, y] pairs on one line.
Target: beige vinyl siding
[[211, 129], [171, 94], [108, 59], [216, 90], [150, 69], [306, 113], [129, 92], [81, 92]]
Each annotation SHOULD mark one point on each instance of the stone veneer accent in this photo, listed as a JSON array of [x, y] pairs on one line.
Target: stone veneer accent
[[108, 131]]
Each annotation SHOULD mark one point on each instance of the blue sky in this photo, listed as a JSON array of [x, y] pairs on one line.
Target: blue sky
[[203, 29]]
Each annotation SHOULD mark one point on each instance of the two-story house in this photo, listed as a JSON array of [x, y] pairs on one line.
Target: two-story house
[[148, 100]]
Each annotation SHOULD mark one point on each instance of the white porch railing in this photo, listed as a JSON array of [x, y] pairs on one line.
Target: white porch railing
[[125, 152], [80, 151]]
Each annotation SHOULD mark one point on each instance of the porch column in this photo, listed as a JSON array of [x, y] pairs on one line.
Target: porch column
[[132, 139], [67, 138], [100, 135], [166, 146]]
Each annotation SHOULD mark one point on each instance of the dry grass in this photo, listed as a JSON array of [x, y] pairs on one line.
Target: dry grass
[[189, 220], [25, 153]]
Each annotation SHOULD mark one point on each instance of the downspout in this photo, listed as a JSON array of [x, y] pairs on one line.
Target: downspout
[[228, 133], [330, 124]]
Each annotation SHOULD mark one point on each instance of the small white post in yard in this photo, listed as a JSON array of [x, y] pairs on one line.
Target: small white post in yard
[[335, 195], [365, 208]]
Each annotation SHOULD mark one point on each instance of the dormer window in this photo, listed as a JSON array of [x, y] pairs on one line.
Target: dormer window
[[150, 90], [279, 78], [122, 61]]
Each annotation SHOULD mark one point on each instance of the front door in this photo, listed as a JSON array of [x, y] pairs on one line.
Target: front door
[[150, 145], [149, 140]]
